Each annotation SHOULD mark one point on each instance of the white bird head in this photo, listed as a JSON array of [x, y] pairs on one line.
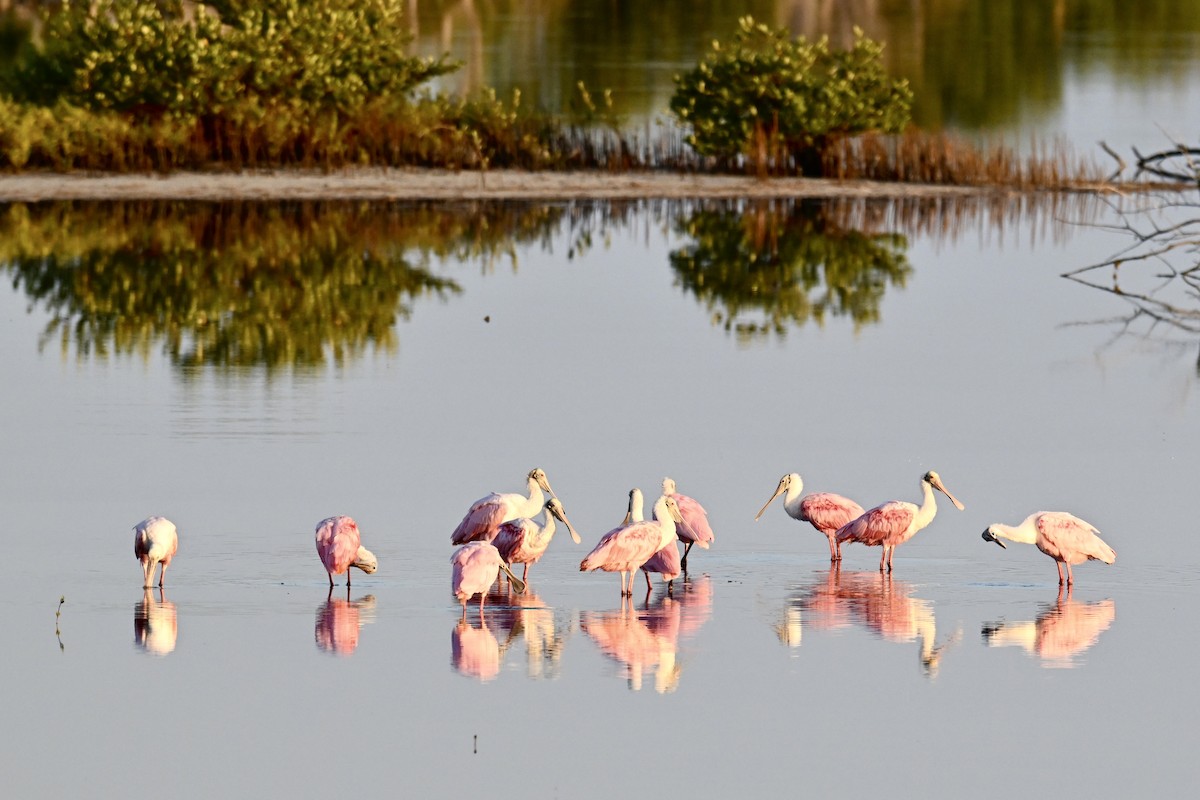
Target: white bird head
[[990, 536], [935, 480], [672, 508], [365, 560], [668, 486], [785, 483], [539, 477], [555, 507]]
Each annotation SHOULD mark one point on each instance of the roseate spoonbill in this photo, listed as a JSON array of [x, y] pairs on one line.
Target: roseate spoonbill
[[1062, 536], [339, 546], [895, 522], [695, 528], [626, 548], [155, 541], [666, 561], [825, 510], [523, 541], [475, 568], [482, 521]]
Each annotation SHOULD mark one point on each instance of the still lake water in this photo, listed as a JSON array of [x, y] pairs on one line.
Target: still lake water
[[1025, 390]]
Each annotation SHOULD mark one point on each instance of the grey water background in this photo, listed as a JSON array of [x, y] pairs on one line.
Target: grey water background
[[964, 674]]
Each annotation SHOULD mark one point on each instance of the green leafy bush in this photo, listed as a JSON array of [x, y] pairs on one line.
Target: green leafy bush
[[127, 55], [774, 99]]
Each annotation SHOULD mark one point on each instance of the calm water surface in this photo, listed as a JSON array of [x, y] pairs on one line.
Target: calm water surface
[[609, 364]]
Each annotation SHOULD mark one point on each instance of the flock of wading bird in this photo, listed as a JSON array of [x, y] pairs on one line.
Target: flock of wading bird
[[500, 530]]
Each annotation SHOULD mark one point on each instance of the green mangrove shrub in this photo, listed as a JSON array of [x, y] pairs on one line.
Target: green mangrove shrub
[[130, 55], [779, 101]]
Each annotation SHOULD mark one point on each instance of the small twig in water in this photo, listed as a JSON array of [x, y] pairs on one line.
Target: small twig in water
[[57, 616]]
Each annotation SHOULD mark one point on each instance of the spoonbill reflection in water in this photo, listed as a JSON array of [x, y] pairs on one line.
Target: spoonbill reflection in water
[[155, 623], [483, 519], [474, 652], [155, 541], [695, 528], [1062, 536], [826, 511], [339, 621], [1063, 631], [340, 548], [626, 548], [523, 541], [526, 616], [640, 640], [475, 567], [893, 523]]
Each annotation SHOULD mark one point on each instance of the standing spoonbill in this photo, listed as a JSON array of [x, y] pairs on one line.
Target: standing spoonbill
[[523, 541], [695, 528], [666, 561], [475, 567], [895, 522], [155, 541], [1062, 536], [482, 521], [339, 546], [825, 510], [626, 548]]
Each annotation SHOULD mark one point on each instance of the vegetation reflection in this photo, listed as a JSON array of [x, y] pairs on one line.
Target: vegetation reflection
[[764, 266], [244, 284]]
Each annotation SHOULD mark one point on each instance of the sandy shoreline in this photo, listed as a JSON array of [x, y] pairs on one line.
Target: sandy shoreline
[[395, 184]]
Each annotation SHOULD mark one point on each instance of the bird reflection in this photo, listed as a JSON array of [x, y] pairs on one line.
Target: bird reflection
[[339, 620], [515, 616], [649, 638], [1064, 630], [474, 652], [155, 623], [877, 602]]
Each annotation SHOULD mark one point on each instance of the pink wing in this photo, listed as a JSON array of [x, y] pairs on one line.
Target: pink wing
[[1067, 538], [337, 543], [665, 562], [879, 525], [481, 521], [474, 568], [827, 511], [511, 536], [695, 527], [624, 549]]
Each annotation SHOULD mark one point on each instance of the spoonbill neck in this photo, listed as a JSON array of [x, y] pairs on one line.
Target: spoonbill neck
[[927, 509], [536, 500], [666, 524], [1025, 533]]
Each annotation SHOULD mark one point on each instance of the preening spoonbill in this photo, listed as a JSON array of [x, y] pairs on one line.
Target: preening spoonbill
[[1062, 536], [482, 521], [666, 561], [475, 567], [155, 541], [626, 548], [340, 548], [694, 528], [523, 541], [895, 522], [825, 510]]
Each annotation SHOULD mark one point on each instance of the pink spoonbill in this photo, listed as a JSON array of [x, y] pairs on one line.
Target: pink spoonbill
[[523, 541], [895, 522], [666, 561], [825, 510], [155, 541], [482, 521], [1062, 536], [626, 548], [340, 548], [475, 567], [695, 528]]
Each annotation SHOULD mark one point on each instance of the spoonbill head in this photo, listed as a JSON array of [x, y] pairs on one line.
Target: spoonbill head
[[627, 547], [1064, 537], [893, 523], [485, 516], [826, 511], [339, 546], [523, 541], [155, 541]]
